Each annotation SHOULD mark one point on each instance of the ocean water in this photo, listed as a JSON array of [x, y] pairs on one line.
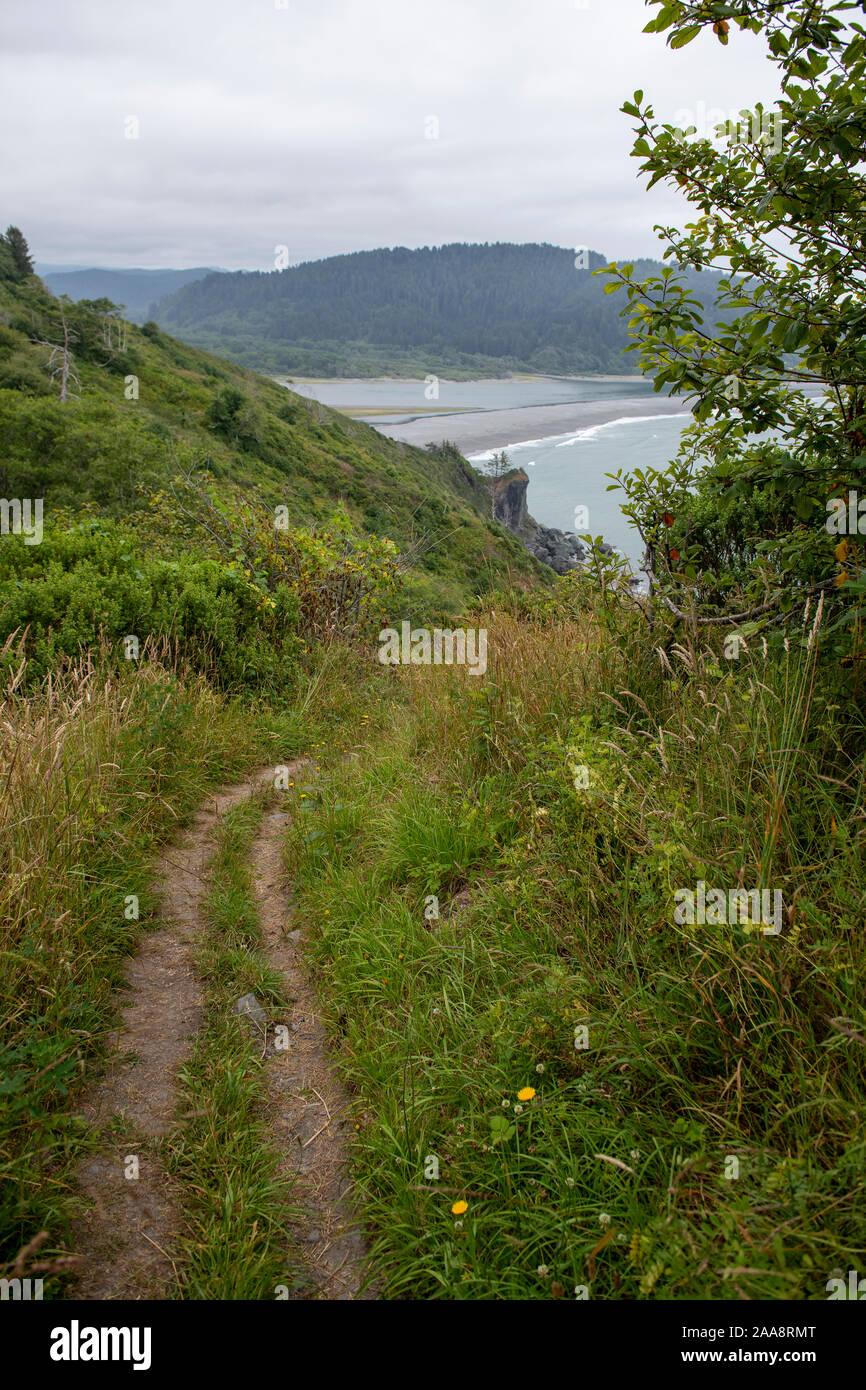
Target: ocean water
[[568, 479]]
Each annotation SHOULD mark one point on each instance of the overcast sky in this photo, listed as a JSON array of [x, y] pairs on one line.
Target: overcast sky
[[307, 125]]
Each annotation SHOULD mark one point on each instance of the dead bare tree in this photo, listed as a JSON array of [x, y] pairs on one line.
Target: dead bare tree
[[61, 363], [115, 331]]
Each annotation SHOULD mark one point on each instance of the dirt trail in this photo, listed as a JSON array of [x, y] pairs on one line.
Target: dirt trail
[[127, 1236], [307, 1102], [132, 1226]]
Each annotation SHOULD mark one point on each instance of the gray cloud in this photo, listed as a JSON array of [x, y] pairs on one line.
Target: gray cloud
[[305, 126]]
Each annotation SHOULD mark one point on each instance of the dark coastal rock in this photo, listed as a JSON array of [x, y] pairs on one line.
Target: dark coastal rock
[[561, 550], [509, 504]]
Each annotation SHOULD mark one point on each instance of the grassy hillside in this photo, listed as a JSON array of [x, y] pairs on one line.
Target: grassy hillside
[[239, 435], [618, 1105], [158, 476], [459, 309]]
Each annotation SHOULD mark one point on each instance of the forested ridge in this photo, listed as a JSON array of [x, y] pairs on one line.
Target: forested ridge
[[487, 308]]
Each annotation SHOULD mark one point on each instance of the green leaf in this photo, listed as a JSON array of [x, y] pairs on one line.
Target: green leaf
[[685, 36], [663, 19], [795, 336]]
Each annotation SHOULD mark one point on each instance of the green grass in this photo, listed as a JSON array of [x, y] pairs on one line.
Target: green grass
[[101, 770], [711, 1049], [704, 1045]]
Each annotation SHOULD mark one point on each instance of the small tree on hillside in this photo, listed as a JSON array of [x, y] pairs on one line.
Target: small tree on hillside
[[497, 469], [102, 329]]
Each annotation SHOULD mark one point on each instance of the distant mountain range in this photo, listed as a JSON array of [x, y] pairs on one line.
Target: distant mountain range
[[138, 290], [461, 310]]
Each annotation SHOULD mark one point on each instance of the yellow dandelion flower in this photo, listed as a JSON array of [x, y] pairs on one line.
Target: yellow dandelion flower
[[459, 1208], [528, 1093]]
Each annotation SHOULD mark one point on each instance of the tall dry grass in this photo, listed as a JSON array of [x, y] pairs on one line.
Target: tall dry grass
[[96, 770]]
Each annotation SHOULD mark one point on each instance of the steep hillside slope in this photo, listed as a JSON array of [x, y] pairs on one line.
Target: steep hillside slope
[[142, 408]]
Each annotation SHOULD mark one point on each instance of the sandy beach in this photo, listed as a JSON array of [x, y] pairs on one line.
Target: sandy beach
[[477, 430]]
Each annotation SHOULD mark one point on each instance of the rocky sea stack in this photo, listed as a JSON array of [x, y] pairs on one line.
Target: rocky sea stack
[[559, 549]]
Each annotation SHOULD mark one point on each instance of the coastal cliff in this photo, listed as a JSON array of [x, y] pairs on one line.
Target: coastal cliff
[[561, 550]]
